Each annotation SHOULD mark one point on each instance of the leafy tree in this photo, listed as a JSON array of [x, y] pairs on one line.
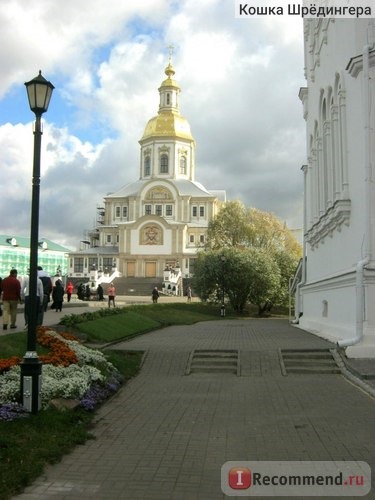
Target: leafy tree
[[229, 228], [260, 256], [239, 274]]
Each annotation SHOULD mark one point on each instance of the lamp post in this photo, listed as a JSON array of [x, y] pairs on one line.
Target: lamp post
[[39, 92], [222, 309]]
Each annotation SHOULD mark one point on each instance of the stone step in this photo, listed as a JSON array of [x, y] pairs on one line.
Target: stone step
[[212, 369], [314, 370], [197, 363], [221, 356], [217, 361], [323, 355], [309, 361]]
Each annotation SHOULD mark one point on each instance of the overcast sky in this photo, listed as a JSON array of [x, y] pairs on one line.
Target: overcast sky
[[240, 80]]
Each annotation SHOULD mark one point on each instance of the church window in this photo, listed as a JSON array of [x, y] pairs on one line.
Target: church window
[[109, 238], [201, 238], [117, 238], [147, 166], [168, 98], [195, 211], [164, 164], [93, 262], [159, 210], [168, 210], [148, 209], [125, 212], [183, 165], [118, 212], [78, 265], [191, 238], [201, 211]]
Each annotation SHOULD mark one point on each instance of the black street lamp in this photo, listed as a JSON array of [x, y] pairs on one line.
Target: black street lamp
[[39, 92]]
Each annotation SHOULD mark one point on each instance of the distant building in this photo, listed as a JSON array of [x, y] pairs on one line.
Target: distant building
[[15, 253], [160, 220], [335, 297]]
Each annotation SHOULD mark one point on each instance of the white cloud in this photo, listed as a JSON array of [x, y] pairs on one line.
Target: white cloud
[[239, 81]]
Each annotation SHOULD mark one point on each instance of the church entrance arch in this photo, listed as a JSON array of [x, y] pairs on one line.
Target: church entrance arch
[[150, 271]]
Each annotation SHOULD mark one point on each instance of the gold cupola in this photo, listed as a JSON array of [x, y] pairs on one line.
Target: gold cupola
[[168, 123]]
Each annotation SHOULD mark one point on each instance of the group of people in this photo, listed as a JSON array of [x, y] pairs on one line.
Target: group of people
[[84, 292], [14, 292]]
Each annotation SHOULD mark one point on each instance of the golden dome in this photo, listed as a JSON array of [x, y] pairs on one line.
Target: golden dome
[[169, 82], [168, 124]]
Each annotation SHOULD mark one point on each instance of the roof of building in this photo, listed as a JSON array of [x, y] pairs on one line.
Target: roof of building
[[110, 250], [14, 241], [183, 186]]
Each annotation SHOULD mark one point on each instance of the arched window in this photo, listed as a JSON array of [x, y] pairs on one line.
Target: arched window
[[147, 165], [168, 98], [183, 165], [164, 164]]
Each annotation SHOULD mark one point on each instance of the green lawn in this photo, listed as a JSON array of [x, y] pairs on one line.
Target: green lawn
[[133, 320], [112, 328]]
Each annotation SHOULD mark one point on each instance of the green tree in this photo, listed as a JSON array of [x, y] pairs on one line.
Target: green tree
[[239, 274], [229, 228], [267, 254]]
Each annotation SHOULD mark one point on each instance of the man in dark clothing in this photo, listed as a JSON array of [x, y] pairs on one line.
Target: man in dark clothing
[[47, 287], [11, 291], [155, 295]]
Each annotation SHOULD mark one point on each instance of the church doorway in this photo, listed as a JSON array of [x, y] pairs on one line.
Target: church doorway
[[150, 269], [130, 269]]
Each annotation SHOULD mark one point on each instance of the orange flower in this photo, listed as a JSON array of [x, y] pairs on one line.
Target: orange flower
[[60, 354]]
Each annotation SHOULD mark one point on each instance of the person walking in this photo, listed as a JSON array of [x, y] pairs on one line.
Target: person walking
[[58, 296], [39, 300], [47, 287], [189, 294], [111, 292], [11, 294], [155, 295], [69, 290], [100, 292]]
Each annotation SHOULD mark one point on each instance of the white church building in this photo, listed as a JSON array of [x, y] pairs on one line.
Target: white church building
[[335, 296], [160, 220]]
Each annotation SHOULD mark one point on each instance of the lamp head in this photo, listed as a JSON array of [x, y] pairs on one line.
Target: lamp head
[[39, 92]]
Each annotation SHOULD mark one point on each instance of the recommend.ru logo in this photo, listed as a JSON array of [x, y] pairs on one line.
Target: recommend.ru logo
[[296, 478]]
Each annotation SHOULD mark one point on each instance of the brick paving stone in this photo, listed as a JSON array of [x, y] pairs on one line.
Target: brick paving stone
[[165, 435]]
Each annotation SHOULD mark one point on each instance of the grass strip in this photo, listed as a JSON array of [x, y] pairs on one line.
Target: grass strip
[[138, 319]]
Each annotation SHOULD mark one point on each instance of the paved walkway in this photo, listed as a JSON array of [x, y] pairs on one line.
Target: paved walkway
[[165, 435]]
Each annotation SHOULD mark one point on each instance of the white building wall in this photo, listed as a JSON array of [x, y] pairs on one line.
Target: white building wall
[[336, 224]]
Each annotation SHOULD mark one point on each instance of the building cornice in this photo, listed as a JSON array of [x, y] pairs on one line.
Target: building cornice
[[332, 220], [355, 64]]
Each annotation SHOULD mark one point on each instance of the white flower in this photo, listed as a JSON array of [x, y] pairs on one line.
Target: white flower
[[10, 383], [70, 382]]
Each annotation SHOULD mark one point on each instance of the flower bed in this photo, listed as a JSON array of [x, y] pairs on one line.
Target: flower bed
[[70, 371]]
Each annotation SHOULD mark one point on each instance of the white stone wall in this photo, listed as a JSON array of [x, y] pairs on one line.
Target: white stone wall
[[336, 225]]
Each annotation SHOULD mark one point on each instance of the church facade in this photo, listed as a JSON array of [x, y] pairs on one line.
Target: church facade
[[335, 296], [161, 219]]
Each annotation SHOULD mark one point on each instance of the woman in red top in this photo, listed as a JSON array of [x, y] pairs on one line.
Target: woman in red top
[[11, 291], [111, 292], [69, 290]]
